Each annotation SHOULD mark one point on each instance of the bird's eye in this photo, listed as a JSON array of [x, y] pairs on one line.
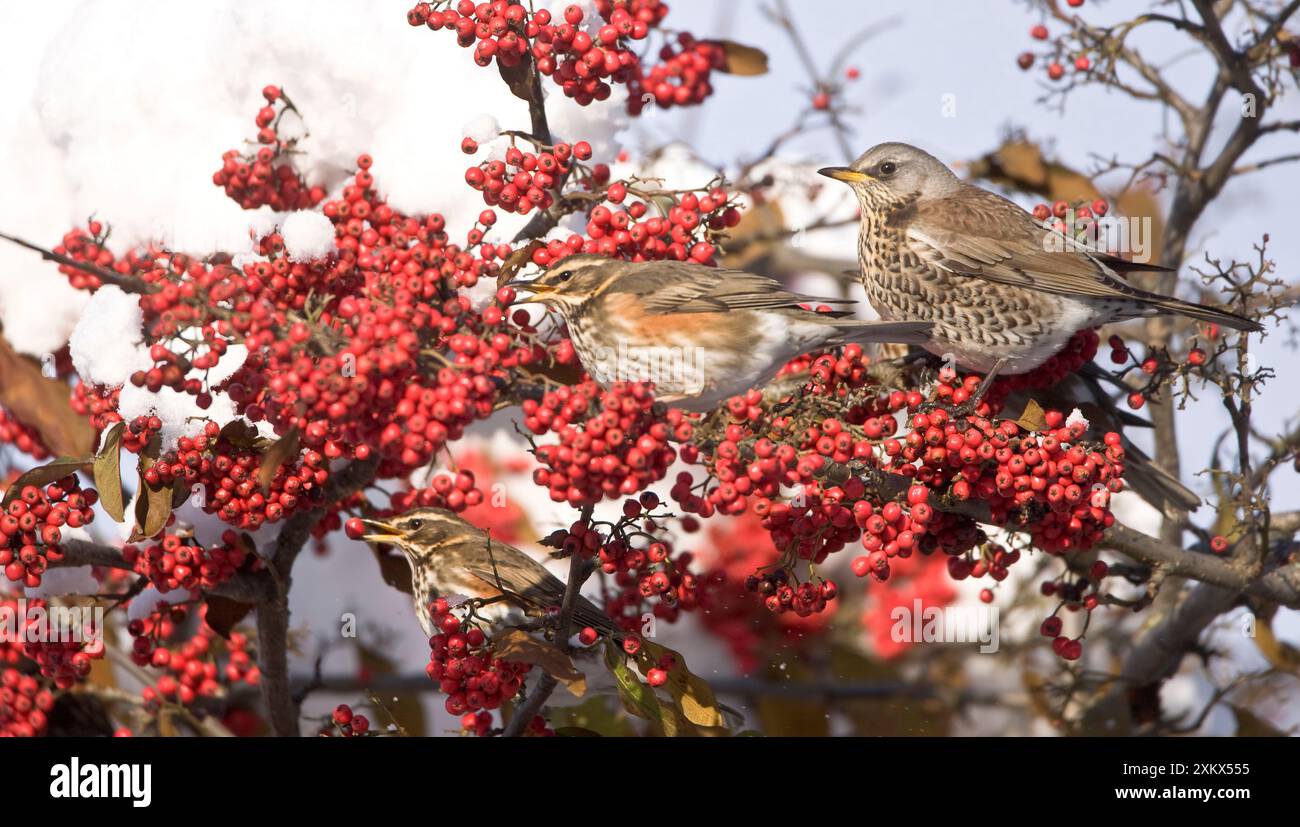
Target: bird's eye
[[565, 276], [414, 525], [888, 168]]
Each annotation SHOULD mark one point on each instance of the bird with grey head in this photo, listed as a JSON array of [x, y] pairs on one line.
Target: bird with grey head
[[1004, 291]]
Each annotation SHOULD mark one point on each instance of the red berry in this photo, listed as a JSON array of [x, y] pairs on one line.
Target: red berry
[[354, 528]]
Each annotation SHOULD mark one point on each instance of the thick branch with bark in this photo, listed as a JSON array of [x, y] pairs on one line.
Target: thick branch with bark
[[273, 613]]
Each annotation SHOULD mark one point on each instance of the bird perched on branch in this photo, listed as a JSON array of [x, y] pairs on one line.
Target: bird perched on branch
[[1005, 293], [701, 334], [450, 557]]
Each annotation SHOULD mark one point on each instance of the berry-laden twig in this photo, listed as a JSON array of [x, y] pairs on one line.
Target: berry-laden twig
[[368, 361]]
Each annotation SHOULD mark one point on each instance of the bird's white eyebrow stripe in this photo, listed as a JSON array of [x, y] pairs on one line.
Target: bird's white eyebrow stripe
[[406, 519]]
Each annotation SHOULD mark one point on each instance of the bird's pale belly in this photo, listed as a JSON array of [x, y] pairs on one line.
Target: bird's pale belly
[[695, 369]]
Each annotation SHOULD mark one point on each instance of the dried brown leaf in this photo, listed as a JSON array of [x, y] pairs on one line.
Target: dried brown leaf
[[224, 614], [43, 475], [1033, 417], [108, 473], [277, 455], [743, 60], [152, 505], [42, 403], [519, 646]]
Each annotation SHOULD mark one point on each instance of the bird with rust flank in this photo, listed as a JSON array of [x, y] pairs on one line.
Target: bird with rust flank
[[1004, 292], [450, 557], [701, 334]]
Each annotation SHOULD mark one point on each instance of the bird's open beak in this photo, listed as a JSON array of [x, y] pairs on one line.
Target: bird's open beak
[[532, 287], [380, 532], [852, 176]]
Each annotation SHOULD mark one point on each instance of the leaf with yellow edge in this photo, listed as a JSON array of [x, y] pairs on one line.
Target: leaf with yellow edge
[[692, 694], [518, 646], [638, 698]]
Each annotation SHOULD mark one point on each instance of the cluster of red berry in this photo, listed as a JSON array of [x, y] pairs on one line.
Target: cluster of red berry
[[45, 636], [523, 180], [463, 665], [189, 662], [682, 76], [1052, 483], [266, 178], [1076, 353], [611, 442], [1055, 68], [179, 562], [31, 526], [344, 723], [582, 56], [648, 578], [25, 703], [738, 557], [1076, 594], [682, 233], [89, 246]]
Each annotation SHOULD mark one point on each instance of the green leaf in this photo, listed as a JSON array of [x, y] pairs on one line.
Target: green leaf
[[42, 475], [576, 732], [597, 713], [638, 698], [108, 473]]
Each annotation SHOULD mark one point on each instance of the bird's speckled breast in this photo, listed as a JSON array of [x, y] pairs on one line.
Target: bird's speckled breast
[[975, 321]]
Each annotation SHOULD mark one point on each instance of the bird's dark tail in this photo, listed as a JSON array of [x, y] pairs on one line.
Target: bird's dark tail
[[1206, 313], [585, 613], [1151, 482], [854, 330]]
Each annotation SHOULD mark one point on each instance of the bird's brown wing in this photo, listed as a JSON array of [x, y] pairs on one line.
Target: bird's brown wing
[[983, 235], [676, 287], [529, 583], [978, 233]]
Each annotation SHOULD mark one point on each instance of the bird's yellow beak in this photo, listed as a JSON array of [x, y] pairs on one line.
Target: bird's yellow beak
[[852, 176], [533, 287], [381, 532]]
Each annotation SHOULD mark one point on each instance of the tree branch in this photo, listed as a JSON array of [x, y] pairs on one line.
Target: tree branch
[[128, 284], [253, 587], [273, 613], [579, 570], [1280, 584]]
